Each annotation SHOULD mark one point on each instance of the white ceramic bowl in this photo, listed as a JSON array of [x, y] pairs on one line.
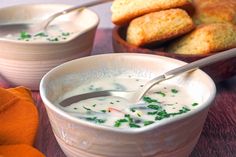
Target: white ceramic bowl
[[172, 137], [24, 63]]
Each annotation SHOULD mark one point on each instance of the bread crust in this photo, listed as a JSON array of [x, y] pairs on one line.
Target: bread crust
[[158, 27], [123, 11], [213, 11], [205, 39]]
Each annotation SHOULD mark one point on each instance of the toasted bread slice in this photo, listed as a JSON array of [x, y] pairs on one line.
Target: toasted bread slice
[[208, 38], [158, 26], [123, 11]]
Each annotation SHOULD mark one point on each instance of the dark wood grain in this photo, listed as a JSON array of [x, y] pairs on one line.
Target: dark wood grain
[[218, 138]]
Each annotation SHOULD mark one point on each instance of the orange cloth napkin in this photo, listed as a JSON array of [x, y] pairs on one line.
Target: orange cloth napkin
[[18, 123]]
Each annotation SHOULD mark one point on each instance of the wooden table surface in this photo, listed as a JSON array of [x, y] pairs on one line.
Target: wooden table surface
[[218, 138]]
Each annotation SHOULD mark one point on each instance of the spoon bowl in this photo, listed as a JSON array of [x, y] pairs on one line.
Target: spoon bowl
[[135, 96]]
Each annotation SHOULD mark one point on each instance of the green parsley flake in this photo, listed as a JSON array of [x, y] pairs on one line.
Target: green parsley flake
[[161, 93], [95, 120], [174, 91], [149, 100], [41, 34], [132, 109], [154, 107], [94, 105], [52, 39], [128, 117], [133, 125], [24, 35], [65, 33], [119, 122], [148, 123], [104, 111], [195, 104], [88, 109], [152, 113]]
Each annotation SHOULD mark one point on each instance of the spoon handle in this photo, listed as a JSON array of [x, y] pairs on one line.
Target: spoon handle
[[186, 68], [68, 10], [202, 62]]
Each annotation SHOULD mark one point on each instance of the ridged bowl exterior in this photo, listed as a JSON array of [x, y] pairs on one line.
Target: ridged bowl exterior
[[174, 137], [175, 140], [25, 63]]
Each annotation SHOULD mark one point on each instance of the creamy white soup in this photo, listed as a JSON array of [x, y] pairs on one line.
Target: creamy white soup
[[50, 36], [161, 102]]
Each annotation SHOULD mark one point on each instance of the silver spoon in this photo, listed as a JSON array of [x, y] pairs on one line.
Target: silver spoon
[[135, 96], [42, 26]]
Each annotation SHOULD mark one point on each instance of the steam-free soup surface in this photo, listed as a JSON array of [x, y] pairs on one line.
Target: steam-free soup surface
[[162, 102], [54, 33]]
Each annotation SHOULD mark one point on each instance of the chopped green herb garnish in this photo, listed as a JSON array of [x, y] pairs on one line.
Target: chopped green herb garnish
[[94, 105], [174, 91], [88, 109], [149, 100], [163, 114], [132, 109], [133, 125], [181, 111], [128, 117], [119, 122], [52, 39], [139, 115], [41, 34], [65, 33], [161, 93], [152, 113], [184, 110], [154, 107], [104, 111], [96, 120], [75, 108], [158, 118], [100, 121], [24, 35], [91, 118], [148, 122], [195, 104]]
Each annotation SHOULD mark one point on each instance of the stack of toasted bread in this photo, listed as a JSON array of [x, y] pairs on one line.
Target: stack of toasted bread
[[198, 27]]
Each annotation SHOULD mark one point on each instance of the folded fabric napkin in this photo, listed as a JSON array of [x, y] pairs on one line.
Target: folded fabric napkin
[[18, 123]]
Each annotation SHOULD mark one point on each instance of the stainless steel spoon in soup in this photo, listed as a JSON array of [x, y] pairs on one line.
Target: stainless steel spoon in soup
[[42, 26], [135, 96]]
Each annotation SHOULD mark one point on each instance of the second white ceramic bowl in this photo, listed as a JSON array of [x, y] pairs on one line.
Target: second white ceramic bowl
[[25, 63]]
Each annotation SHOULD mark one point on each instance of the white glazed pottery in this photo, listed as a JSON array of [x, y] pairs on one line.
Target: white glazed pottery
[[171, 137], [24, 63]]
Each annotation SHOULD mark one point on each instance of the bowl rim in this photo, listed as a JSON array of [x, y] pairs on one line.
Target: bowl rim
[[116, 37], [97, 20], [164, 122]]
